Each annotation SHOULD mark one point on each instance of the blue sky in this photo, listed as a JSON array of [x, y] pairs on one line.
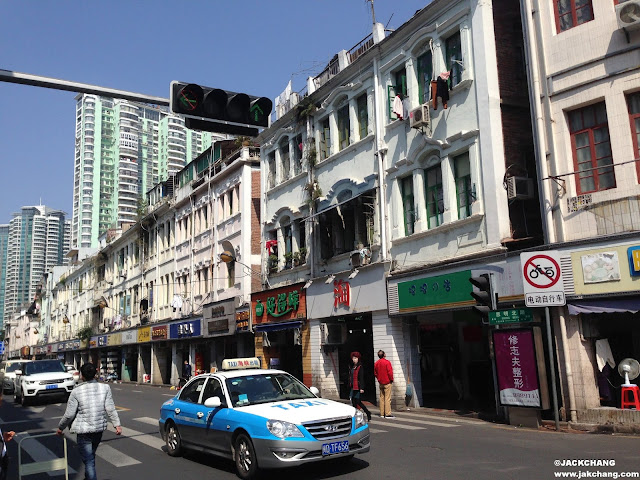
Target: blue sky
[[252, 46]]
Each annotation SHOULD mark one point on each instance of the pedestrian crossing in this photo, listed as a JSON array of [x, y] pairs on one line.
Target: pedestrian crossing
[[117, 453]]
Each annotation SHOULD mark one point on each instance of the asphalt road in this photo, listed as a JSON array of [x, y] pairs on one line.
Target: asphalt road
[[415, 445]]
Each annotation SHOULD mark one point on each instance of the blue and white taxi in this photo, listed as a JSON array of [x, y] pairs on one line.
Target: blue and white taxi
[[261, 419]]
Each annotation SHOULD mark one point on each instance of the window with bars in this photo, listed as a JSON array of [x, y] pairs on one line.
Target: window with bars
[[464, 195], [434, 196], [398, 88], [363, 115], [406, 187], [325, 139], [425, 74], [570, 13], [344, 126], [453, 48], [271, 173], [633, 102], [285, 159], [591, 147]]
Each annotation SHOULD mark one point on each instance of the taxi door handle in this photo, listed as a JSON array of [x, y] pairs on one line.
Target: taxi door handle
[[177, 410], [200, 414]]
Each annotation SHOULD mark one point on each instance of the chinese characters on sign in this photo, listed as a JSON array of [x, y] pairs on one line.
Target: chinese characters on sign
[[341, 293], [545, 300], [427, 293], [279, 305], [242, 321], [515, 315], [516, 368]]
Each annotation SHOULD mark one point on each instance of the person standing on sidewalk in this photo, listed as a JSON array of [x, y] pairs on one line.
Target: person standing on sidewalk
[[88, 407], [356, 383], [383, 372]]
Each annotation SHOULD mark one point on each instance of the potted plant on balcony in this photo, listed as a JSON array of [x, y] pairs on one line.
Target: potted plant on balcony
[[300, 257], [273, 263], [288, 259]]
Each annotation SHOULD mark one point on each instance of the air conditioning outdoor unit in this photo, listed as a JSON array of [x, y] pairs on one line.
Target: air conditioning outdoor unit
[[628, 14], [333, 333], [520, 188], [420, 117]]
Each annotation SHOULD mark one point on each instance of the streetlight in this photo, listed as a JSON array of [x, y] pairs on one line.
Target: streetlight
[[229, 257]]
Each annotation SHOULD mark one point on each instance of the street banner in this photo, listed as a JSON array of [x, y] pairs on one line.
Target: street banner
[[516, 368]]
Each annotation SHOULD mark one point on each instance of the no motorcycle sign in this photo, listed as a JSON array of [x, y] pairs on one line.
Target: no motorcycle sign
[[542, 279]]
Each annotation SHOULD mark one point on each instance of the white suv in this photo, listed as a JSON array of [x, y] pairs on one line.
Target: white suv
[[8, 374], [42, 378]]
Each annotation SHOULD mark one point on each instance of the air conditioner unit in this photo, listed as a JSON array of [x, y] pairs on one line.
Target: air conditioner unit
[[360, 258], [519, 188], [628, 14], [333, 333], [420, 117]]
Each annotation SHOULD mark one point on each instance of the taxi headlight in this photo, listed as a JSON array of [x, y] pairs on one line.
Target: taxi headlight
[[283, 429], [360, 419]]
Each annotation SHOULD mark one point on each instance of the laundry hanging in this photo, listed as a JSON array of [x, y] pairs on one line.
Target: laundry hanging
[[441, 90], [398, 108]]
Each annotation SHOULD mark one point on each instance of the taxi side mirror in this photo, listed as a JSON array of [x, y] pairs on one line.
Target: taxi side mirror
[[315, 391], [212, 402]]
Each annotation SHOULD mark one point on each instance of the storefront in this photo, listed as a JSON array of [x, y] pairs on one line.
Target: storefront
[[606, 308], [130, 352], [450, 360], [278, 318], [219, 319], [348, 312], [186, 336], [161, 354], [144, 354]]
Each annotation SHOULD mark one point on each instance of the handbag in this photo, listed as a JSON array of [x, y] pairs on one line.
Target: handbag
[[409, 391]]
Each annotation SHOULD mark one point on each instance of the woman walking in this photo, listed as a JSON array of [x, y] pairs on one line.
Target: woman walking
[[356, 383]]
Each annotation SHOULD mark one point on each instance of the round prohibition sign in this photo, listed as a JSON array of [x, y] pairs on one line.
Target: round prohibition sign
[[541, 274]]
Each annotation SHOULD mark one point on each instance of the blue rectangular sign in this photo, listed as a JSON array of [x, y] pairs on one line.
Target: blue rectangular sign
[[185, 329]]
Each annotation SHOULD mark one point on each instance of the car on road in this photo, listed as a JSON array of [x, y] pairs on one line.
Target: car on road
[[42, 378], [8, 374], [73, 371], [261, 419]]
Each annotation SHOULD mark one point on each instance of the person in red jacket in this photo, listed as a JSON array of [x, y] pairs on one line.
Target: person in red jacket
[[384, 374]]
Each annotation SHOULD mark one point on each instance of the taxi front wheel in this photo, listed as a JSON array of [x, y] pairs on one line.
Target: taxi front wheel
[[174, 443], [245, 458]]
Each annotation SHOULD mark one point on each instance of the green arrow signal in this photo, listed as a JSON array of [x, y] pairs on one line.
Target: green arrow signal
[[258, 112]]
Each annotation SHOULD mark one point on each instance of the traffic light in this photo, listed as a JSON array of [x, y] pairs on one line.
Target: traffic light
[[485, 299], [216, 110]]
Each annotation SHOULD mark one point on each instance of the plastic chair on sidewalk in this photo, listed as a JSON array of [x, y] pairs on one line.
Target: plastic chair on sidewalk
[[45, 466]]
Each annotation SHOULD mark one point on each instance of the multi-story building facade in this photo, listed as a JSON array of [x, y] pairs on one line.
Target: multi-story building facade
[[155, 293], [36, 241], [123, 149], [587, 105], [391, 174]]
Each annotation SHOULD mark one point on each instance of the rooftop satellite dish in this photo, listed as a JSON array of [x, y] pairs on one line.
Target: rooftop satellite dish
[[629, 368]]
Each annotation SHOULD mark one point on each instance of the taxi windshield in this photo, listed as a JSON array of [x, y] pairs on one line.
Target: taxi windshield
[[273, 387]]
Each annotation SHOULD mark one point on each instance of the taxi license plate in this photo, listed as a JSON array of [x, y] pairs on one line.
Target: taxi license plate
[[49, 387], [335, 447]]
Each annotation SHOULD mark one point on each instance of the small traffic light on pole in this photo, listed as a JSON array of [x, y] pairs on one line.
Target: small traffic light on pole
[[216, 110], [485, 298]]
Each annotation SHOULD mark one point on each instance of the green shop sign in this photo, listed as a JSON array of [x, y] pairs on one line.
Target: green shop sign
[[514, 315], [431, 293], [279, 305]]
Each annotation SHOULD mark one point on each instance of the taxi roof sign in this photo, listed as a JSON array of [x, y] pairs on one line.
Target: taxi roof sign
[[241, 363]]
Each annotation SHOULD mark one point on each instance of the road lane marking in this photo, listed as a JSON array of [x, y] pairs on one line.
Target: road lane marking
[[37, 409], [169, 394], [397, 425], [32, 420], [377, 430], [137, 391], [115, 457], [392, 422], [149, 420], [39, 453], [152, 440], [403, 416]]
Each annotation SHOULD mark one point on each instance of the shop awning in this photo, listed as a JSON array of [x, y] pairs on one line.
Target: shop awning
[[272, 327], [620, 305]]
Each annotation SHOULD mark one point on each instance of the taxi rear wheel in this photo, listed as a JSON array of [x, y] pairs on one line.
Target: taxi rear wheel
[[245, 458], [174, 443]]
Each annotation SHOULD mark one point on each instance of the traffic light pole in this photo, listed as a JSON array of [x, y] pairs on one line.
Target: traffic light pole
[[58, 84]]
